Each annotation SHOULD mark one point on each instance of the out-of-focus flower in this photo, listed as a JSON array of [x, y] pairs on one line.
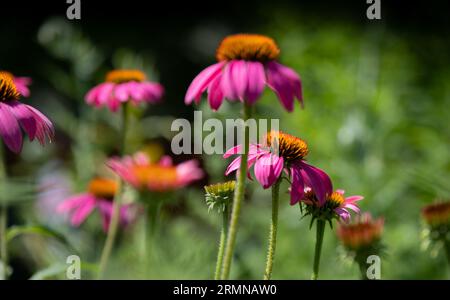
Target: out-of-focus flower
[[283, 152], [364, 232], [219, 195], [100, 195], [437, 214], [21, 84], [335, 206], [14, 114], [247, 63], [123, 86], [142, 174]]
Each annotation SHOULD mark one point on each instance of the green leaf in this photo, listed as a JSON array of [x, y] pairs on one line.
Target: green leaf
[[49, 272], [15, 231]]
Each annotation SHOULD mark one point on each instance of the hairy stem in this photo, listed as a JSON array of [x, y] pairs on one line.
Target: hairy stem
[[273, 231], [223, 236], [237, 201]]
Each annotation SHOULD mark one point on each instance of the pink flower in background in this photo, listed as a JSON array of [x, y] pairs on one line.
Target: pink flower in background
[[123, 86], [335, 201], [247, 64], [268, 166], [162, 176], [14, 114], [100, 195]]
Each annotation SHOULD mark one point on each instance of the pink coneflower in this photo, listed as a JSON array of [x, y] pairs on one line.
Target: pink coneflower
[[100, 194], [268, 165], [247, 63], [364, 232], [13, 113], [123, 86], [335, 205], [141, 173]]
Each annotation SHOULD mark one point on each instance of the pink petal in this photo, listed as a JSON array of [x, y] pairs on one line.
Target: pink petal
[[353, 207], [320, 182], [215, 94], [82, 212], [232, 151], [73, 202], [352, 199], [298, 186], [281, 82], [201, 82], [234, 80], [9, 128], [268, 169], [256, 81]]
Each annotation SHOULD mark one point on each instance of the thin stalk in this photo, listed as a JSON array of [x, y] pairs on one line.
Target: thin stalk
[[3, 221], [447, 251], [273, 231], [114, 224], [237, 201], [223, 236], [319, 240]]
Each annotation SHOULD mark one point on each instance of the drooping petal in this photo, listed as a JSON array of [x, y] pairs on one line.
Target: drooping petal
[[294, 79], [44, 127], [9, 128], [320, 182], [73, 202], [233, 151], [82, 212], [352, 207], [105, 92], [256, 81], [268, 169], [215, 93], [297, 190], [25, 117], [281, 85], [201, 82], [235, 80]]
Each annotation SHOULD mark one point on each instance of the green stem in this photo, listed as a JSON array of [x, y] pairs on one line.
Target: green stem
[[447, 251], [237, 201], [223, 236], [3, 221], [319, 239], [273, 231], [363, 270], [115, 217]]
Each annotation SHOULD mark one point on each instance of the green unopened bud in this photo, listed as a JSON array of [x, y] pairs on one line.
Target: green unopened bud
[[219, 196]]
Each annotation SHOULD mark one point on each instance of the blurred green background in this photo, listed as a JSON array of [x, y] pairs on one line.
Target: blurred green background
[[376, 117]]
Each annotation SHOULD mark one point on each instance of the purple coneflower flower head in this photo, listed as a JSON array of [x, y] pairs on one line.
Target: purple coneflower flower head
[[336, 205], [123, 86], [100, 195], [14, 114], [287, 153], [365, 232], [246, 65], [143, 174]]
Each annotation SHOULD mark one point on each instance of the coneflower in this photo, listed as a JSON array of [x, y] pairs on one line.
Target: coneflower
[[437, 219], [219, 197], [362, 238], [122, 86]]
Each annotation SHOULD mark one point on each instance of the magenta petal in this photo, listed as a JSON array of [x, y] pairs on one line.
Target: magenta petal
[[256, 81], [72, 202], [122, 92], [281, 85], [44, 127], [83, 211], [320, 182], [26, 118], [232, 151], [234, 80], [294, 81], [215, 94], [353, 207], [352, 199], [268, 169], [298, 186], [9, 128], [233, 166], [201, 82]]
